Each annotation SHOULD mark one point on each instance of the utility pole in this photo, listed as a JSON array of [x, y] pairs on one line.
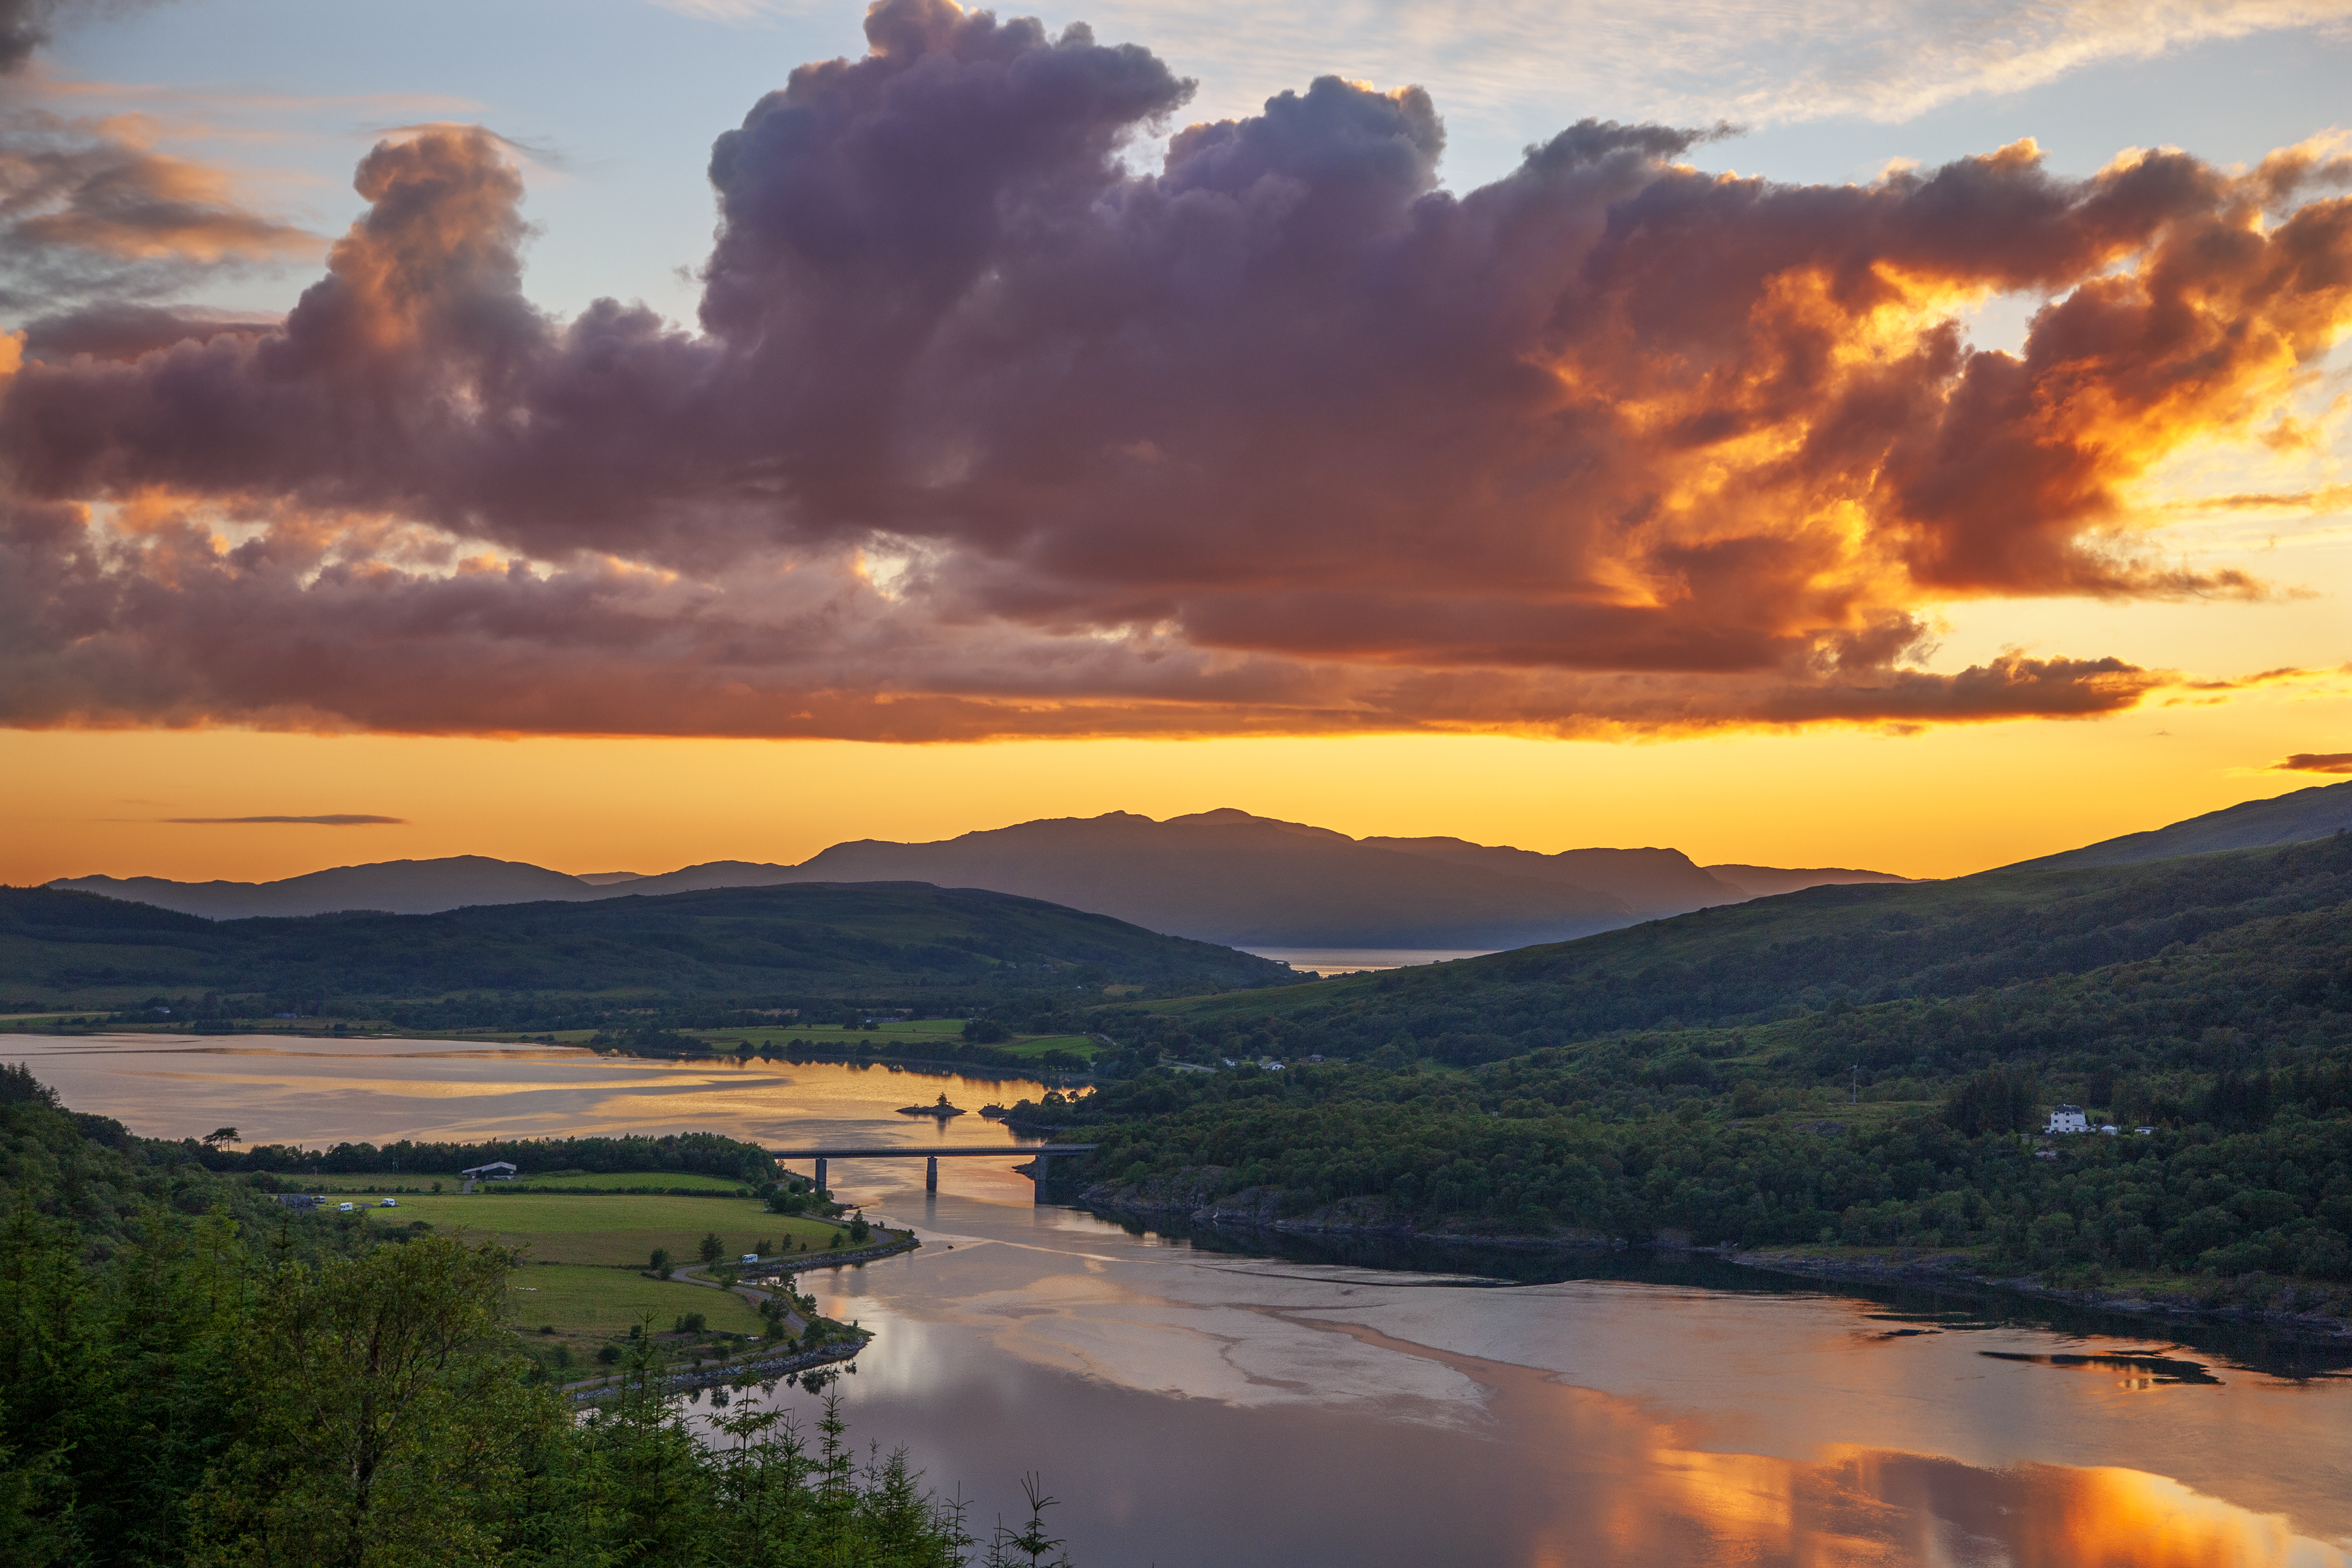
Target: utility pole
[[1857, 1083]]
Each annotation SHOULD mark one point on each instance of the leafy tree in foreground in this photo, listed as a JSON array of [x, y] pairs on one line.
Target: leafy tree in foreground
[[299, 1392]]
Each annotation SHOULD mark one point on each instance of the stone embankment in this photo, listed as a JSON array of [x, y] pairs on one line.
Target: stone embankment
[[748, 1369], [763, 1368], [769, 1268]]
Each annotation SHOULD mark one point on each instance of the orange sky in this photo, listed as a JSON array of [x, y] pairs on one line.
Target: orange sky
[[1920, 521], [1933, 804]]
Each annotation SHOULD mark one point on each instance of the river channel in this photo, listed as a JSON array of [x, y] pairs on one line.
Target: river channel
[[1227, 1401]]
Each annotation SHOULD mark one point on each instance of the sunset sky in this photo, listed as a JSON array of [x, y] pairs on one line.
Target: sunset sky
[[618, 435]]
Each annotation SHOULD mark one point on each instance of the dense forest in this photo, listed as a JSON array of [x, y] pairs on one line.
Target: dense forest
[[2247, 939], [1852, 1065], [190, 1375], [698, 959]]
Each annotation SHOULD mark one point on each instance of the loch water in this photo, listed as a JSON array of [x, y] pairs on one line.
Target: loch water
[[1229, 1402]]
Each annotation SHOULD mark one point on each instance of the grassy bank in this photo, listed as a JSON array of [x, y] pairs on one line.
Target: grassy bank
[[401, 1184], [612, 1230], [579, 1303]]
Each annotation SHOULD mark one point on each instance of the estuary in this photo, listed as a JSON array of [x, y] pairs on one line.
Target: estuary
[[1239, 1401]]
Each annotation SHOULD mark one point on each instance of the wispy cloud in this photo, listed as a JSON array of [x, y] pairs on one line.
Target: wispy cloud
[[1506, 62], [336, 819], [2314, 763]]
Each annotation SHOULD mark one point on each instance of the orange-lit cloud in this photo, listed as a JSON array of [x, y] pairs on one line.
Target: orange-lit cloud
[[2316, 763], [89, 208], [984, 434]]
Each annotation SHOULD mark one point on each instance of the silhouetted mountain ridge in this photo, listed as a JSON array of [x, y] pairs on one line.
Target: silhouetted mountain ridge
[[1223, 876], [2294, 818]]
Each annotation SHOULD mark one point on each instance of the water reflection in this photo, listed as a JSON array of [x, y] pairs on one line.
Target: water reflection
[[281, 1089], [1235, 1402], [1228, 1407]]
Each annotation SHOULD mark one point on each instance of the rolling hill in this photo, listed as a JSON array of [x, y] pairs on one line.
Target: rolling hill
[[2245, 922], [1840, 1068], [812, 939], [2304, 814]]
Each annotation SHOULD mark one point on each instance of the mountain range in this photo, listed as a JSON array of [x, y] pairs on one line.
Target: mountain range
[[1225, 877]]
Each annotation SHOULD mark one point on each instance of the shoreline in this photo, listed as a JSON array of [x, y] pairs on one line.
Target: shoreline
[[1240, 1213], [1051, 1078], [770, 1368], [767, 1367]]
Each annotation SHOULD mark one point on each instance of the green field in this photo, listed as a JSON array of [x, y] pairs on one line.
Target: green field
[[1084, 1046], [401, 1184], [595, 1228], [600, 1303]]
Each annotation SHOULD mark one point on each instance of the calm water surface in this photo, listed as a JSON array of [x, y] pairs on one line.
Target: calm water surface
[[1192, 1406]]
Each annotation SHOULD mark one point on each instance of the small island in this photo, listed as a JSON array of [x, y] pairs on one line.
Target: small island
[[941, 1110]]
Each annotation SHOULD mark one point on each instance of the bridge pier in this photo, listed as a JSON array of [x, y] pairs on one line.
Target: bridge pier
[[1041, 1169]]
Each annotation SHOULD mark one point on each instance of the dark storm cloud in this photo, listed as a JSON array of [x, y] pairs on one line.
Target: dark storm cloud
[[984, 433]]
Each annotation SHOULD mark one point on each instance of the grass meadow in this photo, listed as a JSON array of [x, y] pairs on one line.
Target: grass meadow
[[607, 1230]]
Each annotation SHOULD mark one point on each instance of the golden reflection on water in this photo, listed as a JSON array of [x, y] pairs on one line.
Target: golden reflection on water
[[316, 1091], [1636, 1484], [1863, 1506]]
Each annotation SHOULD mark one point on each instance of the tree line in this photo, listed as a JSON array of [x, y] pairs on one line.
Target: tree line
[[188, 1379]]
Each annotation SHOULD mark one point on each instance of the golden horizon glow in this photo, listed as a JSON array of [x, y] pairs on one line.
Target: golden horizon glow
[[1934, 804]]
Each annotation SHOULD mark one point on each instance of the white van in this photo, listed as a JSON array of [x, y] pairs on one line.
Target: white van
[[389, 1204], [751, 1257], [343, 1208]]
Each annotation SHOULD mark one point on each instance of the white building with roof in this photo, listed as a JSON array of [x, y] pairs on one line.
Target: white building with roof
[[2069, 1119]]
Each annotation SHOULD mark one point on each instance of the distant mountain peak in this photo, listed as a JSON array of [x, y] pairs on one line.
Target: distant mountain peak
[[1227, 875]]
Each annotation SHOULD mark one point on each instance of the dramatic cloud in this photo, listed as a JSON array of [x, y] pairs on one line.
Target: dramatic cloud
[[90, 208], [340, 820], [2316, 763], [983, 433]]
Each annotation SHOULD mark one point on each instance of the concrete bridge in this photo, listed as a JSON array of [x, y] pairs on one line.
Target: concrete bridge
[[1042, 1152]]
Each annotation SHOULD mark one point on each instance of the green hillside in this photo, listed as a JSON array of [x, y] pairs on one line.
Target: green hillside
[[1845, 1067], [2255, 938], [864, 941]]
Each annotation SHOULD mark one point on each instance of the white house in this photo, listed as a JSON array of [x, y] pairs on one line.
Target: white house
[[496, 1170], [2069, 1119]]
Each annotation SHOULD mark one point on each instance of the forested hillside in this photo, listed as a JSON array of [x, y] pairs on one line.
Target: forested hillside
[[1846, 1066], [2254, 940], [909, 940], [193, 1377]]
